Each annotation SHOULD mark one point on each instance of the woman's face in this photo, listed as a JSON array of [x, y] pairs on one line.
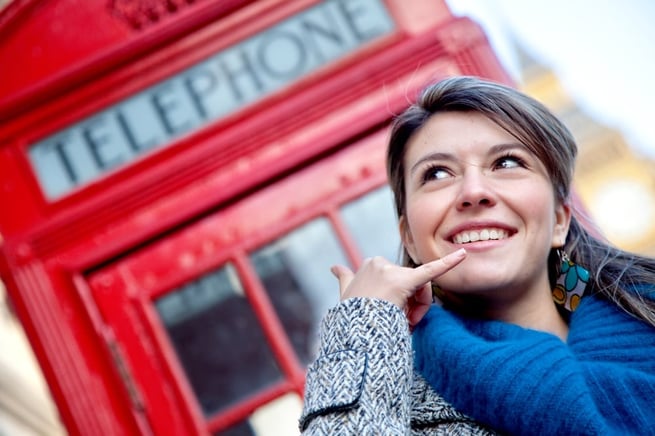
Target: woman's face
[[471, 184]]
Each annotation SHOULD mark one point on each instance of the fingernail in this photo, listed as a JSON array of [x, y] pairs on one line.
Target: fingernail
[[459, 253]]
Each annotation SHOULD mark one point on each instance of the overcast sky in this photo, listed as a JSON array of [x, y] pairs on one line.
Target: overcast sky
[[602, 50]]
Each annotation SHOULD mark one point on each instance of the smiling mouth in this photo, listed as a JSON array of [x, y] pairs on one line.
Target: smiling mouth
[[480, 235]]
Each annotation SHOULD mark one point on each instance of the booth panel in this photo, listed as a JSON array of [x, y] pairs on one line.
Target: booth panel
[[217, 322], [135, 136], [216, 336]]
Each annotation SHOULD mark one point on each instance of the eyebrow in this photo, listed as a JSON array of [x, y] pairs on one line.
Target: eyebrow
[[432, 157], [441, 156]]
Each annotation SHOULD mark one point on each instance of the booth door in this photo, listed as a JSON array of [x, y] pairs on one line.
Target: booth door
[[211, 326]]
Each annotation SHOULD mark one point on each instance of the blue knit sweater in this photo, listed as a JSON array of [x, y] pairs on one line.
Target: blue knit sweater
[[525, 382]]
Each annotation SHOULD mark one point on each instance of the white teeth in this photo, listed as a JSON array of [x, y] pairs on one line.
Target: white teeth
[[479, 235]]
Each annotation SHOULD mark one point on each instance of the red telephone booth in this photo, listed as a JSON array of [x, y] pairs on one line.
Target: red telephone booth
[[177, 176]]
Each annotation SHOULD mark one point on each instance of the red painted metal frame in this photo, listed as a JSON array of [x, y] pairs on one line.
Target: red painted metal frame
[[54, 255], [88, 40], [227, 237]]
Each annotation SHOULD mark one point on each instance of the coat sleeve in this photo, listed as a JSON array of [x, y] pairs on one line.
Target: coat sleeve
[[523, 381], [361, 381]]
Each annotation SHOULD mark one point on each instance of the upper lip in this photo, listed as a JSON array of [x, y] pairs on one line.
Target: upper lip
[[479, 225]]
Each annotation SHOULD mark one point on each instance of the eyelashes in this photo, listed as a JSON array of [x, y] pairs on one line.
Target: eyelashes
[[509, 160], [437, 171]]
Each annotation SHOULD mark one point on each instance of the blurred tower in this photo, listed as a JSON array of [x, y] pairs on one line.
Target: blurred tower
[[616, 184]]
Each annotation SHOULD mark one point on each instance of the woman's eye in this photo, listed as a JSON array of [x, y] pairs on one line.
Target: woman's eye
[[436, 173], [509, 162]]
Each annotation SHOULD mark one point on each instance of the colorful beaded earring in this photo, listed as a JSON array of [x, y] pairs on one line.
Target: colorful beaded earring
[[571, 283]]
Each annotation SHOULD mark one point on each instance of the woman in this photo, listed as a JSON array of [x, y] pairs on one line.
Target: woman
[[541, 328]]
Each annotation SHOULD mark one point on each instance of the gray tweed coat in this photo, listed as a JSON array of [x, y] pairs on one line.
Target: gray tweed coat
[[363, 382]]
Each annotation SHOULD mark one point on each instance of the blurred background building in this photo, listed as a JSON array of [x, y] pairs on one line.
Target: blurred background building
[[615, 181]]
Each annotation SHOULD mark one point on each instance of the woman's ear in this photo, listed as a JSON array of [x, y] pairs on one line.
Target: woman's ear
[[407, 239], [562, 223]]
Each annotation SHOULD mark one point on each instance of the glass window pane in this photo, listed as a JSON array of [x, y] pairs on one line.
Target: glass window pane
[[295, 271], [218, 339], [371, 220]]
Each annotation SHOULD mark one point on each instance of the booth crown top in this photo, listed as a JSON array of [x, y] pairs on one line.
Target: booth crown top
[[53, 45]]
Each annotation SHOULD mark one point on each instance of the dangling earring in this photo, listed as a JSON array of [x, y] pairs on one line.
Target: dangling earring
[[571, 283]]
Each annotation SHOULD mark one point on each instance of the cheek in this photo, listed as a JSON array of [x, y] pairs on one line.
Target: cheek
[[539, 215], [536, 203], [538, 212], [424, 220], [420, 216]]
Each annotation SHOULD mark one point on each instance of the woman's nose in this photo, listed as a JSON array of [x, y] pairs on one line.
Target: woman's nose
[[475, 190]]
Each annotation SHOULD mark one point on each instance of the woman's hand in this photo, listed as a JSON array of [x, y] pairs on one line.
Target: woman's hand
[[408, 288]]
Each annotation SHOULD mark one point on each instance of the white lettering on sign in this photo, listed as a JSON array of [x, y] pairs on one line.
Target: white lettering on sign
[[205, 92]]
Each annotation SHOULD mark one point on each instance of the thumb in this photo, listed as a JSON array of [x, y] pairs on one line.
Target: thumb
[[344, 275]]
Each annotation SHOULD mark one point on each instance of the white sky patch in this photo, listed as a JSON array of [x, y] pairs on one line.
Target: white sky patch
[[603, 51]]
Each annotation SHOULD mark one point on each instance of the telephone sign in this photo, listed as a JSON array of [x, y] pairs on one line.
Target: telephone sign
[[206, 91]]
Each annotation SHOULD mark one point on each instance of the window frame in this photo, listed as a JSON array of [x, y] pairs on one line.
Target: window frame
[[125, 291]]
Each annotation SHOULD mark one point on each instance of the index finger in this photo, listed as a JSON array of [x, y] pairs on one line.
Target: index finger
[[431, 270], [344, 275]]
